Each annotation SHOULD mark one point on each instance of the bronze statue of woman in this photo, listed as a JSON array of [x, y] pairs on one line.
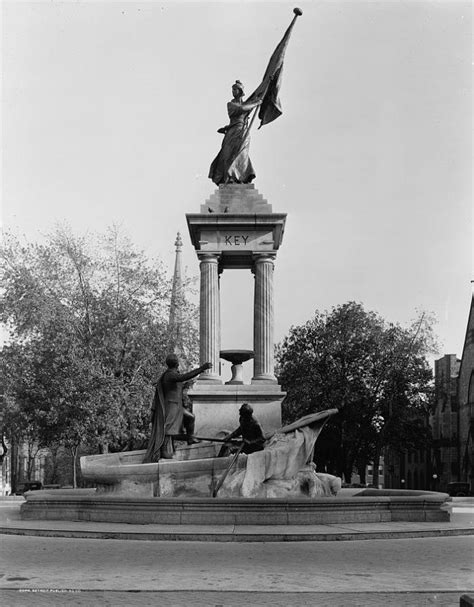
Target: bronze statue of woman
[[232, 164]]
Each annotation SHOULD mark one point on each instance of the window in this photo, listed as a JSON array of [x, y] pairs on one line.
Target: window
[[470, 393]]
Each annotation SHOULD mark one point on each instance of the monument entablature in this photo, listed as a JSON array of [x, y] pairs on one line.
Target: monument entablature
[[236, 239]]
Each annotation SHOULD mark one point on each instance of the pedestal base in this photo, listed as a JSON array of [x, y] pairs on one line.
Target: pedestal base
[[217, 407]]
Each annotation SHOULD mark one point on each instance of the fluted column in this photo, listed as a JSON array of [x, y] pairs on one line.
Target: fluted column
[[209, 320], [263, 319]]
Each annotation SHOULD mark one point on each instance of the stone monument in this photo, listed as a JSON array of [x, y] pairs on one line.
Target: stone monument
[[237, 228], [241, 232]]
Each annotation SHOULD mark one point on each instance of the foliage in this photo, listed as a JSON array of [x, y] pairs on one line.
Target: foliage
[[88, 321], [374, 372]]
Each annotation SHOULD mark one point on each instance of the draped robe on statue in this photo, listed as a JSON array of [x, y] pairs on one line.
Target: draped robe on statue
[[232, 164], [167, 410]]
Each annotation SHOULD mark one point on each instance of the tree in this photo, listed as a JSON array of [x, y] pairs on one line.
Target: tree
[[374, 372], [87, 320]]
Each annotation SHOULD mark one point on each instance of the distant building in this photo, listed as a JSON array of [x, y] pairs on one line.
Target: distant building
[[445, 424], [5, 472], [466, 404], [407, 469], [19, 466], [370, 474], [452, 420]]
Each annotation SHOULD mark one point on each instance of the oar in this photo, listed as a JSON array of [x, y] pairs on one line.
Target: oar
[[224, 476], [218, 440], [184, 437]]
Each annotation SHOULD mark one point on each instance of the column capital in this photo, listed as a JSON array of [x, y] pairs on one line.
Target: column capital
[[208, 257], [261, 258]]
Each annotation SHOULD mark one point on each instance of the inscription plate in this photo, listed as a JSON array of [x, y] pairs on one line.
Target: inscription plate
[[236, 240]]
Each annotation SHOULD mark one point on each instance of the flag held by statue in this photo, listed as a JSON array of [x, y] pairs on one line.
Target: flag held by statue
[[269, 88]]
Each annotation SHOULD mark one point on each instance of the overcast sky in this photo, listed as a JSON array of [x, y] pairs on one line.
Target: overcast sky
[[110, 111]]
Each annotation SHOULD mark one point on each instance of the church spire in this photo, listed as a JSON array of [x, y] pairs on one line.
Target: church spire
[[175, 337]]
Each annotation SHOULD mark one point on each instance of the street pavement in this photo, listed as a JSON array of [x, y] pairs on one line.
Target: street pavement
[[227, 599], [67, 571]]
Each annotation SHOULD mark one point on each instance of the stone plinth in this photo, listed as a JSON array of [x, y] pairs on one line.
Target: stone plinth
[[235, 224], [216, 407], [236, 198]]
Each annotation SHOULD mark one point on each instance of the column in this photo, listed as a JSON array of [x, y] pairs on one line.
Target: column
[[209, 320], [263, 319]]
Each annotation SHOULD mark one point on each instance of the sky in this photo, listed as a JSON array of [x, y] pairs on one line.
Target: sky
[[110, 112]]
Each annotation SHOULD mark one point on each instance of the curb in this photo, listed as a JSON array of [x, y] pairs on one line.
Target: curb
[[240, 536]]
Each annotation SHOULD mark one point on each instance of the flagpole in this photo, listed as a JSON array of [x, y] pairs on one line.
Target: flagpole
[[255, 112]]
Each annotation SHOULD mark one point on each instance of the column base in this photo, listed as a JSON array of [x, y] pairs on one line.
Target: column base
[[264, 379], [209, 379]]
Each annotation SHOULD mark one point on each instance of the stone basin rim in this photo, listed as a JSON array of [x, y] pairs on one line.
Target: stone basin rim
[[237, 357], [88, 493]]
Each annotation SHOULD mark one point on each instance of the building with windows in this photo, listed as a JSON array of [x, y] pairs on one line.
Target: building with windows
[[452, 419], [407, 469], [466, 405], [445, 423], [370, 474]]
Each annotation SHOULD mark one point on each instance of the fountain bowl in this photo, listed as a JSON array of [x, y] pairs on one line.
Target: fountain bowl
[[236, 357]]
